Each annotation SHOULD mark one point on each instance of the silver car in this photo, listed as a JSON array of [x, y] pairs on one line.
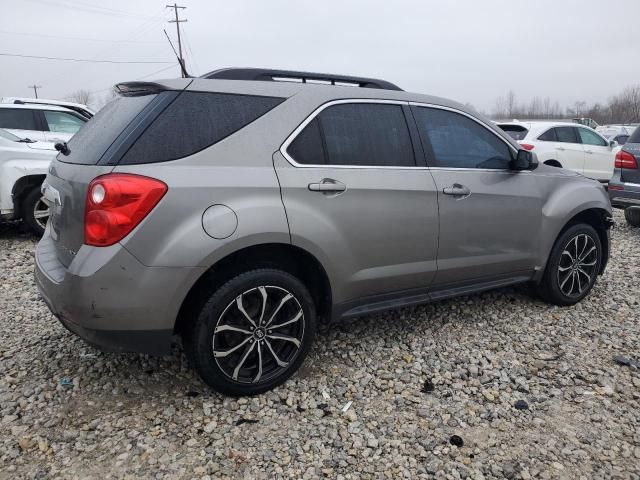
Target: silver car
[[237, 210]]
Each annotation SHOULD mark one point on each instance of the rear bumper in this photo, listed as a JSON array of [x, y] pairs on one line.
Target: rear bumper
[[108, 298], [623, 194]]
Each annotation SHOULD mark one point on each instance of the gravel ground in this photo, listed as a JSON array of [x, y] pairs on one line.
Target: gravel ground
[[497, 385]]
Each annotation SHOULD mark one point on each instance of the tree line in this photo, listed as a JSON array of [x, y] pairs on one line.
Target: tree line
[[621, 108]]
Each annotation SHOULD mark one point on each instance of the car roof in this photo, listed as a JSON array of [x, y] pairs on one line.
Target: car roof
[[45, 102], [35, 107]]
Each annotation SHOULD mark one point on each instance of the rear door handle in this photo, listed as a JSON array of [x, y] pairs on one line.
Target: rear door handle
[[328, 185], [562, 149], [457, 190], [588, 151]]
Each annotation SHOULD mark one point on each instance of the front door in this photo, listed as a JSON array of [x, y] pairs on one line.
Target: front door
[[356, 199], [489, 215], [599, 158]]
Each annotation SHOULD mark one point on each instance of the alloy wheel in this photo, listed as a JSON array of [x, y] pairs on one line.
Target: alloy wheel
[[577, 266], [41, 213], [258, 334]]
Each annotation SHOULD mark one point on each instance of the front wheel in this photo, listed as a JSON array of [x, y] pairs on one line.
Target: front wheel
[[633, 216], [35, 212], [573, 266], [253, 333]]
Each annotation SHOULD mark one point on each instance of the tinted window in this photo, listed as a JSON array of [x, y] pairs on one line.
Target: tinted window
[[366, 134], [62, 122], [307, 147], [460, 142], [17, 118], [515, 131], [622, 139], [635, 136], [549, 136], [591, 138], [194, 121], [566, 135], [91, 141]]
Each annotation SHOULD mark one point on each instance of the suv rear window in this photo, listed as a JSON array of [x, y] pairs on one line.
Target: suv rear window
[[635, 136], [195, 121], [517, 132], [94, 138]]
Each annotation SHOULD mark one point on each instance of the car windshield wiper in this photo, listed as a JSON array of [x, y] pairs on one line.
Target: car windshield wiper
[[26, 140]]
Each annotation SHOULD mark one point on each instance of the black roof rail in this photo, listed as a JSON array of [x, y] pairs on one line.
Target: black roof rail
[[269, 75]]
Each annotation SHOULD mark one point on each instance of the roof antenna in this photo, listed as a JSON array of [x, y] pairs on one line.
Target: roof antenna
[[180, 62]]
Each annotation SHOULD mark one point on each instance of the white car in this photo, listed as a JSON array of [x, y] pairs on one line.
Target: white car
[[76, 107], [566, 145], [23, 167], [43, 123], [619, 133]]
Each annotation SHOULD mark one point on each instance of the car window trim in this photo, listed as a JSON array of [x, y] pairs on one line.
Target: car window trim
[[482, 124], [318, 110]]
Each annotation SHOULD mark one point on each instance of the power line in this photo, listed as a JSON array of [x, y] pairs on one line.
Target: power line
[[93, 9], [35, 89], [78, 59], [178, 21], [63, 37]]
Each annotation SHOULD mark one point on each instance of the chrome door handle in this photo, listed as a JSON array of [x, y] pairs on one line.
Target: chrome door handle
[[328, 185], [562, 149], [457, 190], [588, 151]]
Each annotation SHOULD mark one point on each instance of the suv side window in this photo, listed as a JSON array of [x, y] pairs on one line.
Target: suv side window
[[590, 138], [460, 142], [549, 136], [567, 135], [356, 134], [622, 139], [18, 118], [62, 122]]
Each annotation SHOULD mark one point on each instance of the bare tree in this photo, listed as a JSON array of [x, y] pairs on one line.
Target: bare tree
[[81, 96], [511, 104]]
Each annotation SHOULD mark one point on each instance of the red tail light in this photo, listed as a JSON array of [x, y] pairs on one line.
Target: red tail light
[[527, 146], [626, 160], [116, 204]]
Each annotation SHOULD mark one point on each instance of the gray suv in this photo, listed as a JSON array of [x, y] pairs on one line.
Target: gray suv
[[237, 210]]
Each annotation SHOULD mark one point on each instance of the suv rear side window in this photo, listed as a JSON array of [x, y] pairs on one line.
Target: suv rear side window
[[356, 134], [18, 118], [194, 121], [566, 135], [460, 142], [549, 136], [517, 132]]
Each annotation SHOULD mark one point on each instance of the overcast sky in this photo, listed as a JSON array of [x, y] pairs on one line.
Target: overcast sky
[[468, 50]]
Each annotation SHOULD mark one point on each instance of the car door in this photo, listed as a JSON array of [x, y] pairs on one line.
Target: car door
[[22, 122], [569, 148], [61, 126], [356, 199], [599, 156], [490, 216]]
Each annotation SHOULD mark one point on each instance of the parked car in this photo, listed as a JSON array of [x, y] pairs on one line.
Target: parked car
[[241, 208], [42, 123], [23, 166], [83, 110], [624, 187], [616, 133], [566, 145]]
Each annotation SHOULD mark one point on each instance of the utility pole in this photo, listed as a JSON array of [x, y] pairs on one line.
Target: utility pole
[[35, 89], [178, 21]]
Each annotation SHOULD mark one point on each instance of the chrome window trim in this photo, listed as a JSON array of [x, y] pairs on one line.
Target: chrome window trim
[[316, 112]]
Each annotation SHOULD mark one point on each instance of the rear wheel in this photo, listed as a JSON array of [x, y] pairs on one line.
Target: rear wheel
[[35, 212], [633, 216], [573, 266], [253, 333]]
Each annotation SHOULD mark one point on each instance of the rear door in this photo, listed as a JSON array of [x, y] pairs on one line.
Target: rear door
[[356, 198], [490, 216], [599, 157], [569, 148]]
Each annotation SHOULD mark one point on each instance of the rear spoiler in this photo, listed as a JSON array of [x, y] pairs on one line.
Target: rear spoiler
[[135, 89]]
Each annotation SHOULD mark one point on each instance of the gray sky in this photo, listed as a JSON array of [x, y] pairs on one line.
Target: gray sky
[[468, 50]]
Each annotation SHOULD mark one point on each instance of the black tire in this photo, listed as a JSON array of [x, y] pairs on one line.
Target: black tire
[[632, 216], [258, 361], [562, 268], [33, 201]]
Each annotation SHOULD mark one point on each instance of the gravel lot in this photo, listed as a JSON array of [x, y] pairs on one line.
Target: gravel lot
[[530, 391]]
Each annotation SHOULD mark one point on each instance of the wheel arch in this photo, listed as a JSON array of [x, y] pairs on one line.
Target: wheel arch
[[286, 257], [552, 162], [21, 189]]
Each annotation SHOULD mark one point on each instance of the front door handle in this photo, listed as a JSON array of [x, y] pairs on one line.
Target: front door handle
[[457, 190], [588, 151], [562, 149], [328, 185]]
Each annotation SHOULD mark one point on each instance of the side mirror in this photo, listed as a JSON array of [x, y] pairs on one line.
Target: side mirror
[[525, 160], [613, 144]]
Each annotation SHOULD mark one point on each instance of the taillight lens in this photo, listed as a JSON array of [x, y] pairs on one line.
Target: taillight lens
[[116, 204], [527, 146], [626, 160]]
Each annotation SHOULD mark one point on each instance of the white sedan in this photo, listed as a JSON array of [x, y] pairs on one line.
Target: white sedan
[[566, 145]]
